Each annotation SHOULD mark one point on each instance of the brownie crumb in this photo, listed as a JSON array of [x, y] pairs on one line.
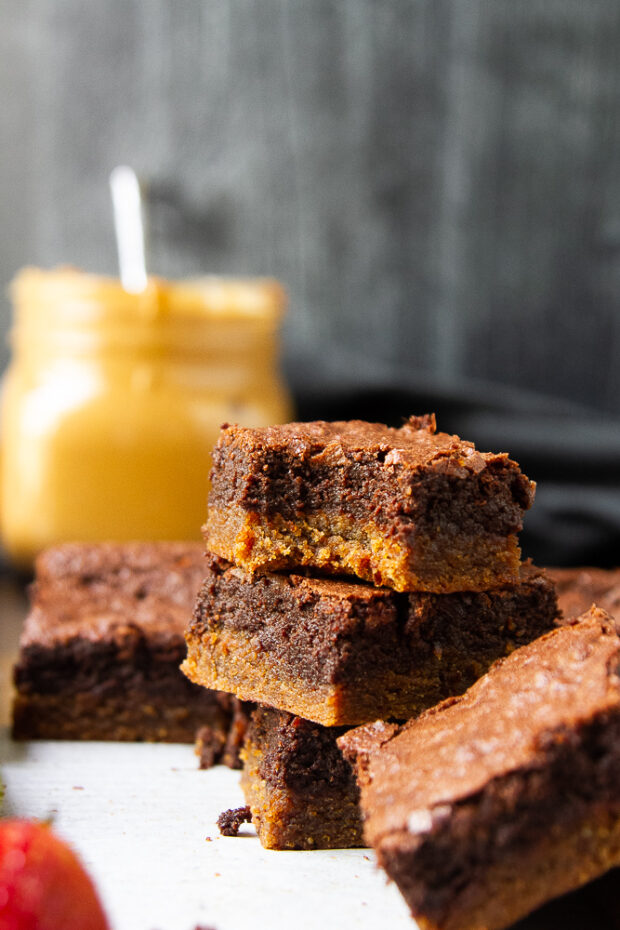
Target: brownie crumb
[[229, 821]]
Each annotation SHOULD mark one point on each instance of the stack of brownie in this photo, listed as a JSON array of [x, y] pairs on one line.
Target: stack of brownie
[[354, 572]]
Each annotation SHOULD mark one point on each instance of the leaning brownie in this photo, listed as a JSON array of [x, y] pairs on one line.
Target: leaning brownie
[[491, 803], [408, 508], [100, 651], [579, 588], [301, 792], [344, 653]]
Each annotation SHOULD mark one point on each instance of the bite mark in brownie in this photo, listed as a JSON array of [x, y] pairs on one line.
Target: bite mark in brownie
[[301, 792], [408, 508], [101, 647], [342, 653], [493, 802]]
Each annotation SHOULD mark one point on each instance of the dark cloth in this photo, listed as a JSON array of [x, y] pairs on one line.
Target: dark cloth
[[573, 454]]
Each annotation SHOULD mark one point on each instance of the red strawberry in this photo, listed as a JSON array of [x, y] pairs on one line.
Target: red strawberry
[[43, 885]]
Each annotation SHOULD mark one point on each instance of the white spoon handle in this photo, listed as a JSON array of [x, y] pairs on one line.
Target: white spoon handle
[[129, 227]]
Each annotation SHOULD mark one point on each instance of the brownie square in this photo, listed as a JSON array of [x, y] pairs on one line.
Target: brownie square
[[301, 792], [343, 653], [494, 802], [408, 508], [101, 647]]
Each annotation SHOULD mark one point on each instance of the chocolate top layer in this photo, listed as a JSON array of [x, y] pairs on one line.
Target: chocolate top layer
[[579, 588], [415, 444], [506, 722], [408, 481], [108, 590]]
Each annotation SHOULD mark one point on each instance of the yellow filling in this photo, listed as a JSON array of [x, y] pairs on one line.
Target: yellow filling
[[338, 544]]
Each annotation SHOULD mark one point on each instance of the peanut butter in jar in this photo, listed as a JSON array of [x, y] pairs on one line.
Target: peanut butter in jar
[[113, 402]]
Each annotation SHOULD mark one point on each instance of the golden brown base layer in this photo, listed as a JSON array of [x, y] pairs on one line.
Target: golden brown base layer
[[522, 881], [337, 544], [129, 718], [229, 661], [286, 819]]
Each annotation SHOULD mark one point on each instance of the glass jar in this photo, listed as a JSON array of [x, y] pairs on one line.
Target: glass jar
[[113, 401]]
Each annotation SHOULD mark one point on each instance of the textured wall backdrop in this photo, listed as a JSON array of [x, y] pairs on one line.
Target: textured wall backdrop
[[437, 181]]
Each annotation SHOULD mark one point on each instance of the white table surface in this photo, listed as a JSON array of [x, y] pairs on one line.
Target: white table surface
[[143, 819]]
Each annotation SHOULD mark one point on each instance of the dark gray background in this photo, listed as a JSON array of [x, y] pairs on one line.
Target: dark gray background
[[436, 181]]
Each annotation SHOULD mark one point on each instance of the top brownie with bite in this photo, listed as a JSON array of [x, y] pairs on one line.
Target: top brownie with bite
[[409, 508]]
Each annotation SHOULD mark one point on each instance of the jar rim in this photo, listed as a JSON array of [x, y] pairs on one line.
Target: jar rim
[[77, 294]]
